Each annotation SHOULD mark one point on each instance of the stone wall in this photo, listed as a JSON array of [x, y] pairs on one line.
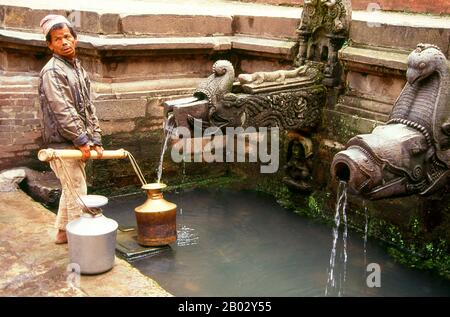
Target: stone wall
[[135, 62], [416, 6]]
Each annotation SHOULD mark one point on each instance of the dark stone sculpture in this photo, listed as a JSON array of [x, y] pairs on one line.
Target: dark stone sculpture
[[411, 153], [324, 27]]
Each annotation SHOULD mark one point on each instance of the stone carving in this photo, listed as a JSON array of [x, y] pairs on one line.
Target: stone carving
[[411, 154], [324, 26], [289, 99], [278, 76], [217, 84], [299, 164], [294, 103]]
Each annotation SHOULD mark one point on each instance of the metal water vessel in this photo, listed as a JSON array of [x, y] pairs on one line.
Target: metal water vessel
[[156, 218], [92, 238]]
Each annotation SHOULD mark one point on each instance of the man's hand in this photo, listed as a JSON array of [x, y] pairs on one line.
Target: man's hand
[[86, 151], [99, 150]]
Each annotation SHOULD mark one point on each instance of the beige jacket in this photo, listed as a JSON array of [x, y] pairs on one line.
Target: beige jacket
[[69, 117]]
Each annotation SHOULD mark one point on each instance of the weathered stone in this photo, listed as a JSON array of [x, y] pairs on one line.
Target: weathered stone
[[43, 186], [264, 46], [44, 269], [110, 23], [120, 109], [396, 30], [371, 57], [112, 127], [370, 86], [176, 25], [25, 18], [89, 22], [10, 179], [435, 6], [266, 26]]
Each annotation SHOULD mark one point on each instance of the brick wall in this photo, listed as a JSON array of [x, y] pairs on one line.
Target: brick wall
[[20, 133]]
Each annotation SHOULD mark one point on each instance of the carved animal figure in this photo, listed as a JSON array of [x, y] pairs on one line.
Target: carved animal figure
[[217, 84], [424, 103], [278, 76], [411, 153]]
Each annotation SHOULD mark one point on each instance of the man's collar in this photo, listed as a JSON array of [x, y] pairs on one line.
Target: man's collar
[[73, 63]]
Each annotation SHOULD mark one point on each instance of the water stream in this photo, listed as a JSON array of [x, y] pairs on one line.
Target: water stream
[[168, 128], [366, 227], [332, 285]]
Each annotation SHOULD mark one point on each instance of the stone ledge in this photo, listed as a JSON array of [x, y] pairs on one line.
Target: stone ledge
[[213, 43], [399, 30], [39, 268], [341, 127], [374, 57], [362, 112]]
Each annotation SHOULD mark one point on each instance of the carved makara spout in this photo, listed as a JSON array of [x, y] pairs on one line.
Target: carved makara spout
[[205, 99], [411, 154]]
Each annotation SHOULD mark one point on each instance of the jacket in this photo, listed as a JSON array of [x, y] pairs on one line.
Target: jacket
[[68, 114]]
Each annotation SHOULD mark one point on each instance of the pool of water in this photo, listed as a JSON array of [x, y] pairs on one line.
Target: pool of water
[[242, 243]]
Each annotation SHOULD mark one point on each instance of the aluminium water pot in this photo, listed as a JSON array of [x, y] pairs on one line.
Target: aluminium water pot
[[92, 243]]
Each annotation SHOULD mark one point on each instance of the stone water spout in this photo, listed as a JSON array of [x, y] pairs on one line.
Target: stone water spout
[[411, 153], [205, 100]]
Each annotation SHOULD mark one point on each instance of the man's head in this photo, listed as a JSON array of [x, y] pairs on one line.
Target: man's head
[[60, 35]]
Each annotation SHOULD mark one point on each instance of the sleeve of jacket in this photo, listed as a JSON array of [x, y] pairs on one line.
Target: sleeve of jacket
[[61, 104], [96, 131]]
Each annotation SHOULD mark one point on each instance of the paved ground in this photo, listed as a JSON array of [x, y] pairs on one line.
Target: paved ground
[[32, 265]]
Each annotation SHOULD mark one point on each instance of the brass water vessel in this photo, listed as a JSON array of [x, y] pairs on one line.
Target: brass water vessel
[[156, 218]]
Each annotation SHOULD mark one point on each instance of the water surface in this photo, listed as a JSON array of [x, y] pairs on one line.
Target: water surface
[[242, 243]]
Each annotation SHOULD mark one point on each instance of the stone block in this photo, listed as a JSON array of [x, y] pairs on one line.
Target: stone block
[[25, 18], [419, 6], [120, 109], [266, 27], [113, 127], [383, 88], [110, 23], [10, 179], [404, 35], [264, 47], [341, 127], [89, 22], [177, 25]]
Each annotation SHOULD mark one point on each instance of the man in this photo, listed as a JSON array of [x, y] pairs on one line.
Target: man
[[69, 119]]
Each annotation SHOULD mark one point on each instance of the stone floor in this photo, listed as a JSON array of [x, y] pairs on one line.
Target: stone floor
[[32, 265]]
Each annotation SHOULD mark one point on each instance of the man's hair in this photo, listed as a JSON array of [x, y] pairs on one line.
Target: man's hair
[[58, 26]]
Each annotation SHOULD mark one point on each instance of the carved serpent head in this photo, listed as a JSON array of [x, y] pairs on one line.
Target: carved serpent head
[[423, 61], [221, 67]]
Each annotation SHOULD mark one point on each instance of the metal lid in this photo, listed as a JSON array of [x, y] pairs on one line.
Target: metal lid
[[94, 201]]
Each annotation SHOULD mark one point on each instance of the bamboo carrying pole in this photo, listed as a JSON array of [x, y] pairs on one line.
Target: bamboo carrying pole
[[46, 155]]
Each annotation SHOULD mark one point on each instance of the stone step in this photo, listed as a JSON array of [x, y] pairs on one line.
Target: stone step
[[360, 112], [376, 58], [182, 18], [370, 105], [158, 18], [280, 48], [341, 126], [400, 30]]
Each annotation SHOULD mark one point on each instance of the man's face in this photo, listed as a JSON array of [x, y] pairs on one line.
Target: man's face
[[63, 43]]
